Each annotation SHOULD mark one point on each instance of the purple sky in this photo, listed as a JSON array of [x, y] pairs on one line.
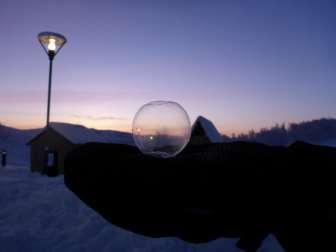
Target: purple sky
[[243, 64]]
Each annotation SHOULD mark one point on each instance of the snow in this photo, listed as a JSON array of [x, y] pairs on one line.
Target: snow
[[39, 213], [329, 142], [14, 142], [209, 128], [78, 134]]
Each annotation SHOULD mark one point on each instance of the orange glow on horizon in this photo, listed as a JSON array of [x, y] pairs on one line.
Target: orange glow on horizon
[[124, 125], [117, 126]]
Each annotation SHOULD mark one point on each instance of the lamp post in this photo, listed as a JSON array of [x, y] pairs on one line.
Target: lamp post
[[52, 44]]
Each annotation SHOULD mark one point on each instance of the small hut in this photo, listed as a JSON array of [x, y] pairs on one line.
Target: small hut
[[49, 148], [204, 132]]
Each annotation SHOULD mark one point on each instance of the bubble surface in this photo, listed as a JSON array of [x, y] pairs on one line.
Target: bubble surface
[[161, 128]]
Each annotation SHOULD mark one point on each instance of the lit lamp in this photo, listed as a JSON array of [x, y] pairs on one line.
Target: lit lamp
[[52, 44]]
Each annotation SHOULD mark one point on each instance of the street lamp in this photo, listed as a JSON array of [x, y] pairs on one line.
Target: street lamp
[[52, 44]]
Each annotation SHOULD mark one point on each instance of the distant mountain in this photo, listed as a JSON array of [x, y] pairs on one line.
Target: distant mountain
[[321, 131], [14, 141]]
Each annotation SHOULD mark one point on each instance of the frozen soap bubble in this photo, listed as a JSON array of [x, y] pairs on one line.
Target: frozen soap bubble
[[161, 128]]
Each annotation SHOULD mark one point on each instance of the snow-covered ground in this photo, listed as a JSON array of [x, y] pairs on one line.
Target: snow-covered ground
[[39, 213]]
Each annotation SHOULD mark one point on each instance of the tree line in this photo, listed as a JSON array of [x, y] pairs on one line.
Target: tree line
[[315, 131]]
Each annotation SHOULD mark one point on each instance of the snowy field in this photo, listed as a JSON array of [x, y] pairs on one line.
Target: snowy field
[[38, 213]]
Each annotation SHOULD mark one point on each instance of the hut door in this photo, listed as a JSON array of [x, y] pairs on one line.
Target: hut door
[[51, 163], [51, 159]]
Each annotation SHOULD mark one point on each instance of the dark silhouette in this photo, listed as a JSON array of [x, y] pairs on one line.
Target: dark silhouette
[[3, 158], [236, 189]]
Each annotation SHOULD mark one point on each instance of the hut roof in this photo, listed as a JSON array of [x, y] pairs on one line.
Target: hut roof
[[78, 134], [207, 128]]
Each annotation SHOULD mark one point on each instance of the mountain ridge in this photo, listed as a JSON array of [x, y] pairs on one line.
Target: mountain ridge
[[319, 131]]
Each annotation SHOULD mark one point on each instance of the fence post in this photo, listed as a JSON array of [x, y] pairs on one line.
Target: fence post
[[3, 158]]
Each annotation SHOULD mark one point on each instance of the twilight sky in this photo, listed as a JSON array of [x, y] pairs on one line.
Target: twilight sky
[[242, 63]]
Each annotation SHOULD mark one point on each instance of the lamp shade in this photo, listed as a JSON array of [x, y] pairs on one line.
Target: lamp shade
[[51, 42]]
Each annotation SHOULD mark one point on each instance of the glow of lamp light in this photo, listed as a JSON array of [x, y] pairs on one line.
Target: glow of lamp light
[[52, 44], [151, 138]]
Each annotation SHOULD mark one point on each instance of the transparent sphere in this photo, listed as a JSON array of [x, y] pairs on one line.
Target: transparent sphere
[[161, 128]]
